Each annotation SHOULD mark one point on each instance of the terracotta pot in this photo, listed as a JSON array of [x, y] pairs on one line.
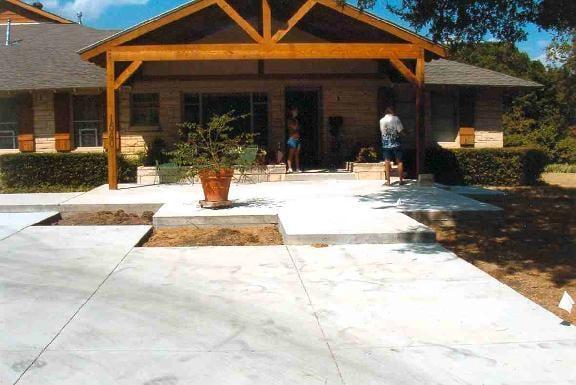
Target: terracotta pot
[[216, 185]]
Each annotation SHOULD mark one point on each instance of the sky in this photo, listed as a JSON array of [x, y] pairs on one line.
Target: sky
[[120, 14]]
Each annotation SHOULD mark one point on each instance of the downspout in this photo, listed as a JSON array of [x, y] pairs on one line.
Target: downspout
[[8, 32]]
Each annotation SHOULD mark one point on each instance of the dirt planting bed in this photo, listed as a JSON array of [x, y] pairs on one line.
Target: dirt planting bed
[[215, 236], [104, 218]]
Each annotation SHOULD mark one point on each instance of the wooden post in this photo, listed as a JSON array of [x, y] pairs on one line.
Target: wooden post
[[266, 21], [111, 122], [420, 115]]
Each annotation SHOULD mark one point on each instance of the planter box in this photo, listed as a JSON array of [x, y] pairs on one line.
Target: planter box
[[369, 171]]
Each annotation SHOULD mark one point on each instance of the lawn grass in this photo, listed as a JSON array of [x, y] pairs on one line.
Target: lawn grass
[[532, 249]]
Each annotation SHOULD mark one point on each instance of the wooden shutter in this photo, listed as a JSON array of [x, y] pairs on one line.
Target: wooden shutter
[[63, 121], [25, 111]]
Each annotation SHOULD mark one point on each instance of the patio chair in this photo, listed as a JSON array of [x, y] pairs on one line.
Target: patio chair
[[246, 163], [167, 167]]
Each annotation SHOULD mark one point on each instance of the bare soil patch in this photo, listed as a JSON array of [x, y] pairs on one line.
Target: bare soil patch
[[104, 218], [215, 236], [532, 250]]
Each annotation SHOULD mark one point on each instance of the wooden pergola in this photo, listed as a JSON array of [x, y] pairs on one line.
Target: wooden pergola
[[267, 45]]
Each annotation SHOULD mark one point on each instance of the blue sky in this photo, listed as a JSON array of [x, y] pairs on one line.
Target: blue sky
[[120, 14]]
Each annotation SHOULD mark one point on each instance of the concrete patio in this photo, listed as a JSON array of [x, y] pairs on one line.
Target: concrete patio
[[355, 315], [85, 305]]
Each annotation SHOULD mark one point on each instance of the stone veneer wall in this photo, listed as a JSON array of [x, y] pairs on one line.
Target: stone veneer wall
[[488, 119], [44, 128]]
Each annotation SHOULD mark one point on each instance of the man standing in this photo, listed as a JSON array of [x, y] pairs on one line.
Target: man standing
[[391, 127]]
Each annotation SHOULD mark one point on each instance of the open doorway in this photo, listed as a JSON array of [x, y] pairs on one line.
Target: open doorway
[[307, 101]]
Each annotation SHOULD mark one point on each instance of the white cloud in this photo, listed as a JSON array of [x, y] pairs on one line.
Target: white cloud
[[91, 9]]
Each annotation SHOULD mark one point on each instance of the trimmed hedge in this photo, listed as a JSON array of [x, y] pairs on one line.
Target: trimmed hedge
[[44, 170], [490, 166]]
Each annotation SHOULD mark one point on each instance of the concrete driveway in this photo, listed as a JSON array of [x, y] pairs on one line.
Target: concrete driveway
[[95, 310]]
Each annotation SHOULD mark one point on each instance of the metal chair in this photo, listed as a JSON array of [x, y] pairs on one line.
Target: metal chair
[[246, 162]]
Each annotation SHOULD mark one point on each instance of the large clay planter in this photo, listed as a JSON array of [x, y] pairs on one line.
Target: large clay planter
[[216, 185]]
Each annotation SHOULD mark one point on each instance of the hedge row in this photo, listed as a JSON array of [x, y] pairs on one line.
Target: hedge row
[[492, 167], [37, 170]]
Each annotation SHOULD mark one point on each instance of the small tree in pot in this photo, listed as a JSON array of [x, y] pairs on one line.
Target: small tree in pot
[[211, 152]]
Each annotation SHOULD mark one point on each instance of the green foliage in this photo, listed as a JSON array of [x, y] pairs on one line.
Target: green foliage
[[492, 167], [367, 155], [213, 147], [561, 168], [156, 153], [475, 20], [566, 151], [58, 171]]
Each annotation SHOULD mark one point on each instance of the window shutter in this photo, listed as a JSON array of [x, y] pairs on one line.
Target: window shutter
[[62, 121], [25, 111]]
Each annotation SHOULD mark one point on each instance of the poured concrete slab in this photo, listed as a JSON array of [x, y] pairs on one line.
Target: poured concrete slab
[[21, 203], [246, 213], [473, 191], [11, 223], [346, 315], [335, 225], [200, 315], [46, 275]]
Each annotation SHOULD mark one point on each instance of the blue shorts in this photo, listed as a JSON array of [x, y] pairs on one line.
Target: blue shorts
[[294, 143], [392, 153]]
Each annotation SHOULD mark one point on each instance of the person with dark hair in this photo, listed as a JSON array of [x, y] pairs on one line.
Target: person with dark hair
[[391, 128], [294, 145]]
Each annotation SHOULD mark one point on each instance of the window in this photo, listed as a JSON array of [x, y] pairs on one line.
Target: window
[[145, 109], [87, 120], [444, 117], [199, 108], [467, 108], [8, 124]]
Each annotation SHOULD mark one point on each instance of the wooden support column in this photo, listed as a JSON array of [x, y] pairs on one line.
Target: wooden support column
[[266, 21], [420, 116], [112, 145]]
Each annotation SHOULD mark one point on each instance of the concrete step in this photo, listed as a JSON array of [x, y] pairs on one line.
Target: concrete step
[[319, 176], [358, 226]]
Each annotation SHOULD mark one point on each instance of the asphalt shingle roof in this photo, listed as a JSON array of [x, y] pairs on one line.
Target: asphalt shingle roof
[[447, 72], [43, 56]]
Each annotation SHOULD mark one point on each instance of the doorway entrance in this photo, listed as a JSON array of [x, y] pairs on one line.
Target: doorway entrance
[[307, 101]]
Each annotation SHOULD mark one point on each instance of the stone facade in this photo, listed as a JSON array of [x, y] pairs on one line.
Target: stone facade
[[355, 100]]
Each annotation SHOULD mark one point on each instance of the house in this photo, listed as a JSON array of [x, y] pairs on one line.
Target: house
[[338, 65]]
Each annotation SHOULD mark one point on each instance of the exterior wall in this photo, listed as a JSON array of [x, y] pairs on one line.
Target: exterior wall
[[339, 98], [489, 128], [44, 126]]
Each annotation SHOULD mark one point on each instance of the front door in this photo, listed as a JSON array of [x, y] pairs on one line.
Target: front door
[[307, 102]]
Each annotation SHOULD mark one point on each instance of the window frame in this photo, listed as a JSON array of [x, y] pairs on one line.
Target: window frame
[[154, 109], [7, 127], [252, 100], [99, 122]]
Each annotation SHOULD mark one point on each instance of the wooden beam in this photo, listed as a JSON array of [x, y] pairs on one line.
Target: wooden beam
[[385, 26], [420, 116], [146, 27], [242, 23], [266, 21], [111, 123], [129, 71], [404, 70], [282, 51], [303, 11]]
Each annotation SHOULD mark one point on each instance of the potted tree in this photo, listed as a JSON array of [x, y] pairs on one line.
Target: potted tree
[[211, 152]]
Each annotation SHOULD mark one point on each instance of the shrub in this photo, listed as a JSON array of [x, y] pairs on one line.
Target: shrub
[[367, 155], [496, 167], [73, 170], [561, 168], [156, 153], [566, 151]]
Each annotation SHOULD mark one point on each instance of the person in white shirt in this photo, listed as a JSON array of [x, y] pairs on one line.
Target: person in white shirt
[[391, 128]]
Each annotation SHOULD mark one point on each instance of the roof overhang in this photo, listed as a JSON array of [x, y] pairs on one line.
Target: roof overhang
[[40, 12], [91, 52]]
